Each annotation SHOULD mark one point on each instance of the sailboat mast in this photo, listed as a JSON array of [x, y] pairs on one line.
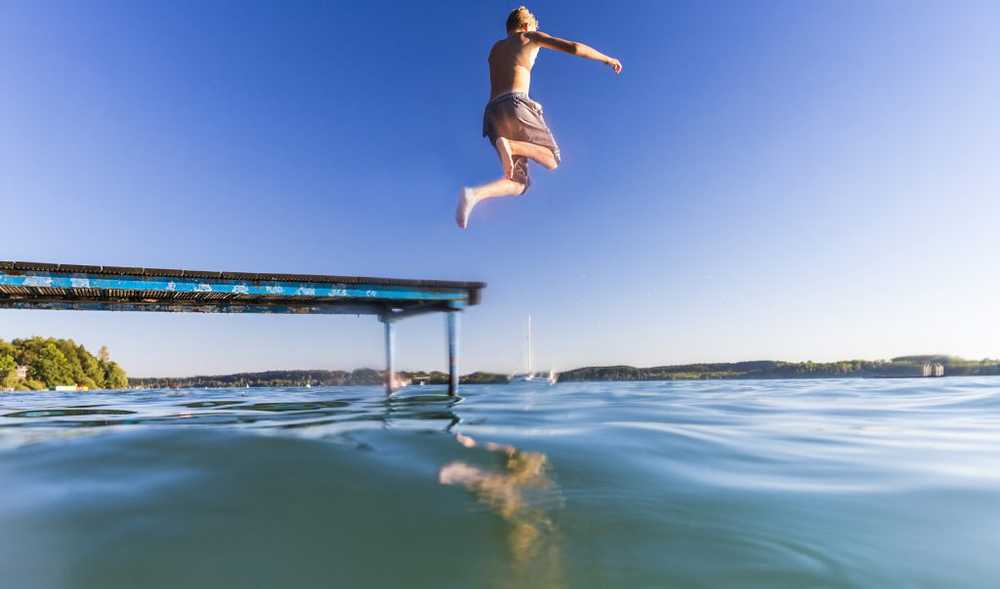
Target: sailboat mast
[[531, 351]]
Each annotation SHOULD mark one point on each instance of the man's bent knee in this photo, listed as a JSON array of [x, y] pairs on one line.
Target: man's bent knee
[[556, 159]]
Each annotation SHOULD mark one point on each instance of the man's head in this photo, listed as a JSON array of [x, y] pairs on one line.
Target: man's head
[[521, 20]]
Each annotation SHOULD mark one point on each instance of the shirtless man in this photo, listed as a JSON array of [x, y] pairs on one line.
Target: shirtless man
[[512, 121]]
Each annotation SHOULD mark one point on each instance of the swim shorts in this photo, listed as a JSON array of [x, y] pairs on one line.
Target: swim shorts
[[515, 116]]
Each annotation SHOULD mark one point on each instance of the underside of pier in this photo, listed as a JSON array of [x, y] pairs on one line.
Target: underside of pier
[[31, 285]]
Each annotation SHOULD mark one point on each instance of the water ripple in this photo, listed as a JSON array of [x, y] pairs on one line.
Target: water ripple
[[831, 483]]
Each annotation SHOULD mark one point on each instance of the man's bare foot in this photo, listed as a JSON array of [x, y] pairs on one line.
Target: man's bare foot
[[460, 473], [464, 208], [506, 157]]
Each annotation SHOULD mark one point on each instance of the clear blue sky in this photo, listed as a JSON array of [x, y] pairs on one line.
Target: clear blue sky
[[786, 180]]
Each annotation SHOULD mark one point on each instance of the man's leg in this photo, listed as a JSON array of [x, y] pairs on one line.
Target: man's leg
[[470, 197], [539, 153], [509, 148]]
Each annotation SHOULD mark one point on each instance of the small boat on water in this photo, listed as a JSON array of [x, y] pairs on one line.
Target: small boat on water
[[529, 374]]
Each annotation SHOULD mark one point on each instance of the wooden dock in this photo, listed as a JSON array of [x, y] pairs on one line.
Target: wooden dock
[[29, 285]]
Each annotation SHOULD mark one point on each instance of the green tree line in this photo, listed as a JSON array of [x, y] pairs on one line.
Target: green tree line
[[903, 366], [298, 378], [50, 362]]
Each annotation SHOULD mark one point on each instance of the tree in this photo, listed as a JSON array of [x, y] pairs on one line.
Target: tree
[[8, 371], [51, 367], [115, 377], [52, 362], [7, 365], [92, 370]]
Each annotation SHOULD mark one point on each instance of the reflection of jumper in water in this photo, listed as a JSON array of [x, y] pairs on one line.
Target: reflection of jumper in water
[[512, 121], [533, 535], [500, 491]]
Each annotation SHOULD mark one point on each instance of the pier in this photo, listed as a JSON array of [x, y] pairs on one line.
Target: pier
[[28, 285]]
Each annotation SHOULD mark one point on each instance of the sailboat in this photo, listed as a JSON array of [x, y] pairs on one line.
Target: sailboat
[[529, 374]]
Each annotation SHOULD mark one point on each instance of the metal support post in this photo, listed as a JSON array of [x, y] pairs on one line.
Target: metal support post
[[390, 355], [452, 352]]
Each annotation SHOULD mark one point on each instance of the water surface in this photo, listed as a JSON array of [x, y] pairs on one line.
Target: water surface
[[800, 483]]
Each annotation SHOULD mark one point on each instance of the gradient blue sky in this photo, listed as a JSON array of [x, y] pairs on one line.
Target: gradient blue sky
[[786, 180]]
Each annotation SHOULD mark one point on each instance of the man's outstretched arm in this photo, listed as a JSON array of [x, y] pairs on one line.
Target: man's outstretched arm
[[573, 48]]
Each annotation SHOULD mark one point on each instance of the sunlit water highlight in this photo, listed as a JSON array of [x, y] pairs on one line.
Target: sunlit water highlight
[[804, 483]]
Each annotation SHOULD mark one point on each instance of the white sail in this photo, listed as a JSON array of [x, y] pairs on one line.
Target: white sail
[[531, 351], [529, 374], [531, 354]]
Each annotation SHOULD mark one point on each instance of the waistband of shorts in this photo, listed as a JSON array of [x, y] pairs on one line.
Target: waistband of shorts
[[507, 95]]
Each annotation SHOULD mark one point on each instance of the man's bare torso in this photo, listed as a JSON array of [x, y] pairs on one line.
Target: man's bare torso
[[511, 60]]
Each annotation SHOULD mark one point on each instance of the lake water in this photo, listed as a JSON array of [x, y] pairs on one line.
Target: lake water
[[799, 483]]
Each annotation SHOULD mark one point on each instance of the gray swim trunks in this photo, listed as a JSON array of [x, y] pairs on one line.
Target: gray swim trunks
[[515, 116]]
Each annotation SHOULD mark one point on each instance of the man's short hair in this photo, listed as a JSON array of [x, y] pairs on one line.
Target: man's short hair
[[519, 17]]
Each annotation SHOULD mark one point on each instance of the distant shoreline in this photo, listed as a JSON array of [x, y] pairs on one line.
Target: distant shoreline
[[900, 367]]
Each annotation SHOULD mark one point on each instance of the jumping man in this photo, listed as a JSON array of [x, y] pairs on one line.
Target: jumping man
[[512, 121]]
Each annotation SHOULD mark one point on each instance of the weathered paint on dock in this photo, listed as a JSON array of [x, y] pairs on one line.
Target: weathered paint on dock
[[140, 289], [32, 285]]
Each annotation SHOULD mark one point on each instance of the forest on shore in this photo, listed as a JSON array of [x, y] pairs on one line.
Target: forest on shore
[[44, 363], [900, 367], [301, 378]]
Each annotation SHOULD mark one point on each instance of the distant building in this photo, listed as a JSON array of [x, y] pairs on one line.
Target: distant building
[[933, 369], [21, 372], [70, 388]]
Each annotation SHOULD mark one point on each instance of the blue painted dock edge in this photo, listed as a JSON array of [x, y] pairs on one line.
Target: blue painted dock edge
[[44, 286]]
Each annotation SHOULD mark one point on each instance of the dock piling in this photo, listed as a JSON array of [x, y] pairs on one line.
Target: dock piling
[[390, 355], [452, 352]]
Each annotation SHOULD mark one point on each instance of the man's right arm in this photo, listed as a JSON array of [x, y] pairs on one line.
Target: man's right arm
[[573, 48]]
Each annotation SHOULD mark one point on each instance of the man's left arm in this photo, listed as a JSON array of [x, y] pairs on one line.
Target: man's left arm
[[574, 48]]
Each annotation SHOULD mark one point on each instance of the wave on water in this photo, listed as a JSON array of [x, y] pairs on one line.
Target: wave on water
[[832, 483]]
